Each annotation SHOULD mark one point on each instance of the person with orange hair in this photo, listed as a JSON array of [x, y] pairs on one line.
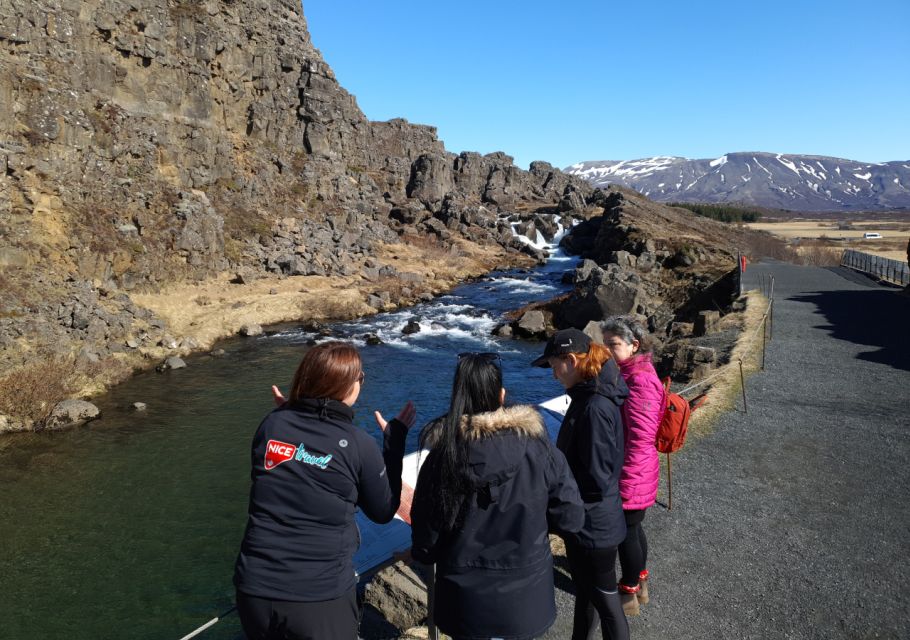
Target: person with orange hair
[[591, 437], [311, 468]]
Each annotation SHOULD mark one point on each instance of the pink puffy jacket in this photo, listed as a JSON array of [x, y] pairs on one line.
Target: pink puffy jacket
[[641, 414]]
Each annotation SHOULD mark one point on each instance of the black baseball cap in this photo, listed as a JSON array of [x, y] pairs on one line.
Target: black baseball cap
[[561, 343]]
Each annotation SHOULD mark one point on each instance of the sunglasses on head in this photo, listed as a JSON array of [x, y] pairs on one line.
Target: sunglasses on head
[[486, 356]]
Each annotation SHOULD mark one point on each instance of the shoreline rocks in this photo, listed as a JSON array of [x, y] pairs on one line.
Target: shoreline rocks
[[671, 270], [71, 413]]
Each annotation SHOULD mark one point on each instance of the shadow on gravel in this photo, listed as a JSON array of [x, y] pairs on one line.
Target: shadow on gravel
[[877, 317]]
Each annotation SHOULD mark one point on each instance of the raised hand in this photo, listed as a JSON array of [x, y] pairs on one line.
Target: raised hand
[[406, 416], [277, 396]]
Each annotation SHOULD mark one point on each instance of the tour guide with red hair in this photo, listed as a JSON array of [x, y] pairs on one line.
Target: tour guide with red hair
[[591, 437], [311, 468]]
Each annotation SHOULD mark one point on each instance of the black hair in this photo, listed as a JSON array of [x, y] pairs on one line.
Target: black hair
[[475, 389]]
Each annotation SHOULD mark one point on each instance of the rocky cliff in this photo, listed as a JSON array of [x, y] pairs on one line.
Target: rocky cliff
[[673, 270], [145, 143]]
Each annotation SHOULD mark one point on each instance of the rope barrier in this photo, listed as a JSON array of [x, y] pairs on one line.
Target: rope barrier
[[213, 621]]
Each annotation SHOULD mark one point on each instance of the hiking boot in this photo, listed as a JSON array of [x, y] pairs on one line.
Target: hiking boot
[[643, 584], [629, 597]]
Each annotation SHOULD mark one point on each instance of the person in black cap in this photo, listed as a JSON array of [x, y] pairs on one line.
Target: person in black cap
[[591, 437]]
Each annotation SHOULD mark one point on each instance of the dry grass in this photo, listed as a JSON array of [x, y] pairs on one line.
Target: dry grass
[[725, 393], [217, 308], [892, 245], [31, 391], [818, 253], [761, 244]]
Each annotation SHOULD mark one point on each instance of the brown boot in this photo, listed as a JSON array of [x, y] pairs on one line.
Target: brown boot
[[643, 584], [629, 597]]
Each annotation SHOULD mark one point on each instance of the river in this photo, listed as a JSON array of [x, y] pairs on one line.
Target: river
[[128, 527]]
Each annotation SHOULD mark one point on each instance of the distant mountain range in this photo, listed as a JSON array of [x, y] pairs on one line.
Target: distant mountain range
[[795, 182]]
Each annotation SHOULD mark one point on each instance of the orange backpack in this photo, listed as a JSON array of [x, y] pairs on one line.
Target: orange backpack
[[671, 432]]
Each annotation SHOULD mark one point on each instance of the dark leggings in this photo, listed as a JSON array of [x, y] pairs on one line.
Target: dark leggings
[[633, 551], [594, 574], [266, 619]]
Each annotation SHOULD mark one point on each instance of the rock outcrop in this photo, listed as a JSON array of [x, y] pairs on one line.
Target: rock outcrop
[[647, 259], [149, 142], [665, 265]]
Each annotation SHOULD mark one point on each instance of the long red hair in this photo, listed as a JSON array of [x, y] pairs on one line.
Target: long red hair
[[327, 370]]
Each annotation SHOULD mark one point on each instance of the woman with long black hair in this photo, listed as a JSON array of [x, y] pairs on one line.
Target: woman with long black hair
[[488, 493], [591, 437]]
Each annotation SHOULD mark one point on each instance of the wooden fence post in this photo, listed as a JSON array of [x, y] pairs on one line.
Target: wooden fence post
[[742, 379], [432, 631]]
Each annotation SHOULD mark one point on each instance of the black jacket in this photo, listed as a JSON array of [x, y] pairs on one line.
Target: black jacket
[[591, 438], [311, 468], [494, 574]]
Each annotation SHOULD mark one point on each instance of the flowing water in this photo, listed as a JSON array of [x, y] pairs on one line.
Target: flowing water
[[128, 527]]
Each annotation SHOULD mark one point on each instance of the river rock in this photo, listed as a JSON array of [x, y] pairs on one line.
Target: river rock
[[503, 330], [372, 339], [532, 324], [71, 413], [174, 362], [411, 327], [251, 329]]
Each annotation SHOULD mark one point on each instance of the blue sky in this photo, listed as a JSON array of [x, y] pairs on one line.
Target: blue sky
[[587, 80]]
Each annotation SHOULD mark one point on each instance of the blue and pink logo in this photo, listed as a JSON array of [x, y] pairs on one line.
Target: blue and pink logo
[[278, 452]]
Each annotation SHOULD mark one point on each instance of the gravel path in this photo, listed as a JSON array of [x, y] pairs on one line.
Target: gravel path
[[792, 520]]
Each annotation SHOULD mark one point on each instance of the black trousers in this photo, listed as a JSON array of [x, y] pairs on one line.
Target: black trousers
[[265, 619], [633, 551], [594, 574]]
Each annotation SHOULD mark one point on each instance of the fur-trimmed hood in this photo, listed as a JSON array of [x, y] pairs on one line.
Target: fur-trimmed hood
[[523, 419]]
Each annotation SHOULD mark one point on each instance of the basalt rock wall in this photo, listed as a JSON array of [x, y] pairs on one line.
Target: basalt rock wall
[[147, 142], [674, 271]]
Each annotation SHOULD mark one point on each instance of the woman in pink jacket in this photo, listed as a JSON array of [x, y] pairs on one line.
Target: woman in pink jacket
[[641, 414]]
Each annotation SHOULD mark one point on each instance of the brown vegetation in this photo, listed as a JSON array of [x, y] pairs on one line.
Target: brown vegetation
[[31, 391]]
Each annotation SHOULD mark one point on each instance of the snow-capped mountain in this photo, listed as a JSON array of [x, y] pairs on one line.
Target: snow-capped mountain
[[796, 182]]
